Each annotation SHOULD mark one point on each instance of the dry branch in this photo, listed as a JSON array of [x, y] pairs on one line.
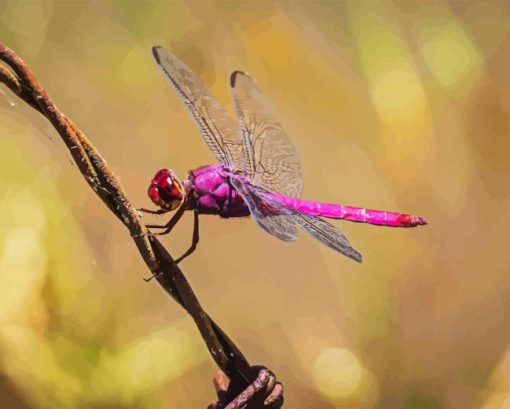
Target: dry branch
[[246, 381]]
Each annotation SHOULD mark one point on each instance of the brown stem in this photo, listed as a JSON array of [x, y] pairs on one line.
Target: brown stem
[[240, 400], [22, 82]]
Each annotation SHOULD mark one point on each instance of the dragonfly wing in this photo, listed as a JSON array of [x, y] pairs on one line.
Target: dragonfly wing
[[327, 234], [214, 122], [270, 153], [323, 231], [272, 220]]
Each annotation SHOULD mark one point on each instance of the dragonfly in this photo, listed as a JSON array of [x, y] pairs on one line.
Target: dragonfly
[[259, 173]]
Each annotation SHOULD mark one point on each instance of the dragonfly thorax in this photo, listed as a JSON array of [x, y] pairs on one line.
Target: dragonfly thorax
[[166, 190]]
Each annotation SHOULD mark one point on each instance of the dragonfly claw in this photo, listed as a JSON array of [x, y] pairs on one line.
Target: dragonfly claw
[[154, 275], [158, 211], [154, 234]]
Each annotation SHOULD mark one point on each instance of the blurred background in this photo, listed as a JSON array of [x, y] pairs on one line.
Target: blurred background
[[394, 105]]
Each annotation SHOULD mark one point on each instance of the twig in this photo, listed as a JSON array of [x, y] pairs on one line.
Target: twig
[[240, 401], [101, 179]]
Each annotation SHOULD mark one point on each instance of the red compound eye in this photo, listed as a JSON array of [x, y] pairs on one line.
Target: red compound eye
[[166, 190], [154, 194]]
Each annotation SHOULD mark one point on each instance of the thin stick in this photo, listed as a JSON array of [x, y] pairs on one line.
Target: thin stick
[[22, 82]]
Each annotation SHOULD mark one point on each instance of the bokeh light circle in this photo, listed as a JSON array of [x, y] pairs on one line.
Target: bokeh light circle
[[337, 373]]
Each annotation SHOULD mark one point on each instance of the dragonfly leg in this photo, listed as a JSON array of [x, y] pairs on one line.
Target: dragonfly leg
[[194, 241], [158, 211], [170, 225], [151, 277]]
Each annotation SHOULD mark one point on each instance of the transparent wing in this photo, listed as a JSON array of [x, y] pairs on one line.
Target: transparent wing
[[323, 231], [327, 234], [214, 122], [269, 151], [267, 216]]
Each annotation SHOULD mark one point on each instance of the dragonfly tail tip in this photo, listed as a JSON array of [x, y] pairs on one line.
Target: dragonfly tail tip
[[421, 221]]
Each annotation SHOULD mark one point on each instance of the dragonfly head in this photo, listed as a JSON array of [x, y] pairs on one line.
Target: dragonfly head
[[165, 190]]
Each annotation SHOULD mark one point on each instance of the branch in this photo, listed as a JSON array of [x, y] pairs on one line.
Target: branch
[[246, 381]]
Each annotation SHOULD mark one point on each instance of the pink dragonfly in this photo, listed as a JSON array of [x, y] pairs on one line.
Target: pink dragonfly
[[259, 174]]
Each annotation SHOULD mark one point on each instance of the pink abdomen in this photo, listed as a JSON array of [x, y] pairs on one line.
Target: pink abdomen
[[353, 214]]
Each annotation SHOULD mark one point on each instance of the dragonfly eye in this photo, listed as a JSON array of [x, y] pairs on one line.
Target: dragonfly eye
[[154, 194], [166, 190]]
